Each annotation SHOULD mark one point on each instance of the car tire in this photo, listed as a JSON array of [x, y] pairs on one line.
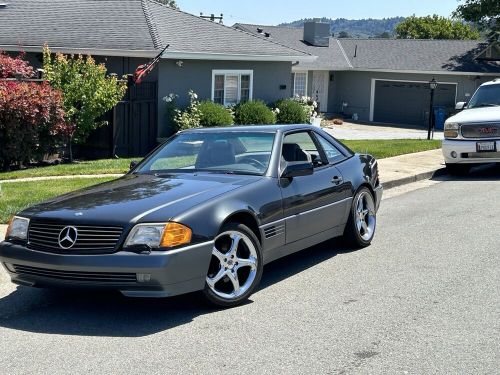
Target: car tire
[[458, 169], [362, 222], [235, 267]]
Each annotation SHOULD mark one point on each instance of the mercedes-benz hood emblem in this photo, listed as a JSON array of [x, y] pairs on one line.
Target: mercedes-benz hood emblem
[[68, 237]]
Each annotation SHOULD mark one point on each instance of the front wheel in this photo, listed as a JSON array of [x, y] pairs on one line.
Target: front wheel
[[235, 267], [362, 221]]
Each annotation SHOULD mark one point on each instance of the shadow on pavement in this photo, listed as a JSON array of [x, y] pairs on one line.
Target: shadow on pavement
[[109, 314], [487, 172]]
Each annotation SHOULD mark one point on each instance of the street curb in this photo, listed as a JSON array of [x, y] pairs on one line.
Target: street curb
[[410, 179]]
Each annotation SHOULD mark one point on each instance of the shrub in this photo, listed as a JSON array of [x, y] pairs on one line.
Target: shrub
[[11, 67], [31, 117], [290, 111], [190, 117], [214, 114], [88, 92], [253, 112]]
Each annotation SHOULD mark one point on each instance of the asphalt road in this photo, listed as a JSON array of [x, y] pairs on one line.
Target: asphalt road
[[423, 299]]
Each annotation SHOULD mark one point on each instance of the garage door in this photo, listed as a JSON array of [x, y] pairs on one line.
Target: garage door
[[408, 102]]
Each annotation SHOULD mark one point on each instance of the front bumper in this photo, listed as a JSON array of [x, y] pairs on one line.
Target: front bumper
[[467, 153], [157, 274]]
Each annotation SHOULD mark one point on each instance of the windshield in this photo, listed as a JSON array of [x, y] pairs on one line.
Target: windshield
[[486, 96], [221, 152]]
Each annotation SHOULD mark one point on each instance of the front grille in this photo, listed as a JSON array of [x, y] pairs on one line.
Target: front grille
[[90, 239], [481, 131], [101, 277]]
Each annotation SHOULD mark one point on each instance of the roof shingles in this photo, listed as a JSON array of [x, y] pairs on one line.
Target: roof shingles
[[128, 25], [385, 54]]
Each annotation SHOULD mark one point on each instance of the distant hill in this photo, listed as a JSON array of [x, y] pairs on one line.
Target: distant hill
[[365, 28]]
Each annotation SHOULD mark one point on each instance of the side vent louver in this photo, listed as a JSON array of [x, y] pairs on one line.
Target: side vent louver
[[274, 230]]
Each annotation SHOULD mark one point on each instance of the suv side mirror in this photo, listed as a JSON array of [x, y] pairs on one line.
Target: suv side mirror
[[460, 106], [297, 169], [133, 164]]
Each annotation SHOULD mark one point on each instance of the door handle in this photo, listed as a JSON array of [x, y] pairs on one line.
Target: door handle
[[337, 180]]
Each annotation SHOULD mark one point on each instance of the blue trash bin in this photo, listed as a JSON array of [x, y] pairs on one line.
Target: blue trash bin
[[439, 117]]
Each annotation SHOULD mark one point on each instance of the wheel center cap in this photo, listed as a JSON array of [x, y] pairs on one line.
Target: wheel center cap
[[230, 263]]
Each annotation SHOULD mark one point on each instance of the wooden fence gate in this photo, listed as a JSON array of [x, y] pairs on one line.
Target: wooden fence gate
[[135, 121]]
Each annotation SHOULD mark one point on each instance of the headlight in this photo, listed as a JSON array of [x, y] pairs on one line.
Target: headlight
[[159, 235], [451, 129], [18, 228], [451, 126]]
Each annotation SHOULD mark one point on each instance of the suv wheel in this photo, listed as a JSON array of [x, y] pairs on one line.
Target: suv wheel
[[458, 169]]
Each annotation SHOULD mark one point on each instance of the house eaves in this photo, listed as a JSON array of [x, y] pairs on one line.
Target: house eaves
[[235, 57]]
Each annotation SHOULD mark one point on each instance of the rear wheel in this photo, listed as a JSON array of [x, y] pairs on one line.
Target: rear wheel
[[235, 268], [458, 169], [362, 221]]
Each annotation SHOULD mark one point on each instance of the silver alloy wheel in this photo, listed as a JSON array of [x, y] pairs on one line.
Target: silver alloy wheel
[[365, 216], [237, 265]]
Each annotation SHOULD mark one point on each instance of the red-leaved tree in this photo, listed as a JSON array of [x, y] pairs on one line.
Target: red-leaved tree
[[31, 114]]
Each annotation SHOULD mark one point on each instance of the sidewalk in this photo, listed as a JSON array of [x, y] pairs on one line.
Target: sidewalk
[[352, 131], [405, 169], [28, 179]]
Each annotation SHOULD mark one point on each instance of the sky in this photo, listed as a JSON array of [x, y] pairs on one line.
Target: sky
[[273, 12]]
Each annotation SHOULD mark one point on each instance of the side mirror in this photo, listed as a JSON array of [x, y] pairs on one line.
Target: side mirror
[[133, 164], [460, 106], [297, 169]]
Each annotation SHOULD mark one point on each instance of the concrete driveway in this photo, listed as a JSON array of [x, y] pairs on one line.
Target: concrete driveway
[[359, 131]]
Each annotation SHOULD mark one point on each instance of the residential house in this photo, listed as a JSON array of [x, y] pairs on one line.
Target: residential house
[[383, 80], [216, 61]]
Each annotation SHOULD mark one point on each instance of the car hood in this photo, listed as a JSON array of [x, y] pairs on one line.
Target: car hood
[[477, 115], [132, 198]]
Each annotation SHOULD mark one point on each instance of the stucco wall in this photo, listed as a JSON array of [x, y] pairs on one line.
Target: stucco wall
[[354, 88], [197, 75]]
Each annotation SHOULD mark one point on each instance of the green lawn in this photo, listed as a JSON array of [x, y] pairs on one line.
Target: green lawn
[[378, 148], [103, 166], [386, 148], [15, 196]]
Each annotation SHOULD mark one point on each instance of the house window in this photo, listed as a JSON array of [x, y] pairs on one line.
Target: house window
[[300, 84], [232, 86]]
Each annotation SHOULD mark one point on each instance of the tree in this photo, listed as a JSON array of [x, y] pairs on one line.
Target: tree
[[384, 35], [31, 113], [344, 34], [88, 92], [170, 3], [485, 13], [435, 27]]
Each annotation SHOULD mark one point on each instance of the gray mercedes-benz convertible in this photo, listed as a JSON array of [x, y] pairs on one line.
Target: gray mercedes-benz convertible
[[203, 212]]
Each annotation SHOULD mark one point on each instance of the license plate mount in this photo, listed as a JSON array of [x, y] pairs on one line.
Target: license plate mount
[[486, 146]]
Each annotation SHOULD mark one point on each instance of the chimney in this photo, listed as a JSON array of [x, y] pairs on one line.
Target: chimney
[[317, 33]]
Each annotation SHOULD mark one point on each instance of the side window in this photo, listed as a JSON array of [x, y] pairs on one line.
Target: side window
[[300, 147], [332, 153]]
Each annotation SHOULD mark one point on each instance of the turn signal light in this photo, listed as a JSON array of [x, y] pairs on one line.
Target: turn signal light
[[9, 227], [175, 234], [450, 134]]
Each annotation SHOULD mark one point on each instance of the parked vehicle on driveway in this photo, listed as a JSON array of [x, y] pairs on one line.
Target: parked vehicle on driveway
[[473, 135], [203, 212]]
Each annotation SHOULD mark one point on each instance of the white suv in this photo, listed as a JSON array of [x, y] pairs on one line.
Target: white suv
[[473, 135]]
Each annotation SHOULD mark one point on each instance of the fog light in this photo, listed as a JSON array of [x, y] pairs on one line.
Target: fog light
[[454, 154]]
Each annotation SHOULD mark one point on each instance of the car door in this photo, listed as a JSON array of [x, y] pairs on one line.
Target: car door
[[315, 203]]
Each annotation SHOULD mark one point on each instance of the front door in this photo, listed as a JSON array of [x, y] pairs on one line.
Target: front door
[[320, 89], [311, 204]]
